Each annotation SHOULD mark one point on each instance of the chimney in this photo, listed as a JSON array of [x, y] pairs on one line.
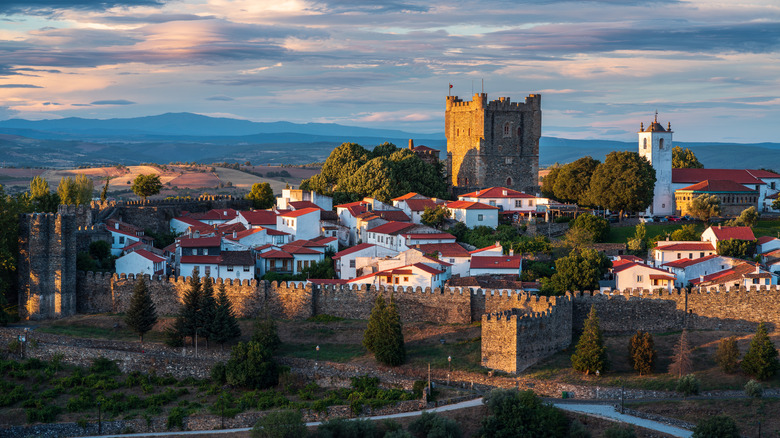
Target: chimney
[[511, 252], [758, 271], [411, 144], [720, 226], [667, 238], [504, 192], [197, 234], [235, 234], [701, 279], [116, 225]]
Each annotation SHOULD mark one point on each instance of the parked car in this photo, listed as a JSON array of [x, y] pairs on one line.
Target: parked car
[[673, 218], [660, 219], [645, 219]]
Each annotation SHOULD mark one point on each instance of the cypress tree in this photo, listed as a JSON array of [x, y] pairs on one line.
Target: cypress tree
[[390, 349], [142, 315], [727, 354], [641, 352], [208, 306], [681, 361], [188, 319], [225, 325], [590, 354], [761, 359], [374, 330]]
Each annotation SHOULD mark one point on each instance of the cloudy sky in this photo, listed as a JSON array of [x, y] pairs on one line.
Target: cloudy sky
[[711, 67]]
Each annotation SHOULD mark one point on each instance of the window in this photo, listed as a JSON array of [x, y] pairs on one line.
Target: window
[[406, 279], [121, 239], [507, 129], [205, 251], [397, 280], [206, 270], [660, 143], [452, 260], [246, 268], [480, 217], [508, 160], [518, 202], [230, 269], [509, 181], [638, 278], [492, 203], [520, 132], [701, 254], [690, 255], [644, 143], [679, 256], [352, 263]]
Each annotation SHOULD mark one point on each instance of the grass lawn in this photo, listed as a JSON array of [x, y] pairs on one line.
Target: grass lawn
[[622, 234], [767, 228]]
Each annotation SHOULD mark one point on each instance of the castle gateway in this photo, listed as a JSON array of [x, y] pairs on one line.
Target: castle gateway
[[492, 144]]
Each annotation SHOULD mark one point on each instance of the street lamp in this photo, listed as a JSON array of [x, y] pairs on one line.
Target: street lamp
[[316, 361], [449, 363]]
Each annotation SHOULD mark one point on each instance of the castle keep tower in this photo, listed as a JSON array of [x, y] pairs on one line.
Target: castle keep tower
[[493, 143], [655, 144], [47, 265]]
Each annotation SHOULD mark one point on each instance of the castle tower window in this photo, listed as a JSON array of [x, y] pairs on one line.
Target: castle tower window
[[660, 143], [507, 129], [509, 181], [644, 143]]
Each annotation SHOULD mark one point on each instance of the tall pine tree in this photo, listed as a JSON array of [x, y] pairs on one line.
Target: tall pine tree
[[225, 325], [208, 306], [384, 334], [590, 354], [761, 359], [682, 364], [374, 330], [641, 352], [142, 315], [188, 321]]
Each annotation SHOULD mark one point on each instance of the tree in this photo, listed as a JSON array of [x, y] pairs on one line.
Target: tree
[[41, 198], [225, 325], [548, 182], [594, 226], [688, 385], [573, 180], [703, 207], [521, 414], [207, 310], [266, 335], [580, 270], [754, 389], [760, 361], [280, 424], [104, 192], [641, 352], [638, 242], [434, 217], [736, 248], [625, 181], [686, 232], [146, 185], [84, 189], [251, 366], [430, 424], [590, 354], [684, 159], [141, 316], [727, 355], [188, 320], [66, 190], [719, 426], [385, 149], [384, 333], [262, 196], [10, 209], [776, 203], [681, 358], [748, 218]]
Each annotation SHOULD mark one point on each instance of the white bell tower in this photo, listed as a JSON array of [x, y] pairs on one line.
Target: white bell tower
[[655, 144]]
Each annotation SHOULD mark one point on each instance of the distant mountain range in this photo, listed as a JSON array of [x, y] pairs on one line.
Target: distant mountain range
[[188, 137]]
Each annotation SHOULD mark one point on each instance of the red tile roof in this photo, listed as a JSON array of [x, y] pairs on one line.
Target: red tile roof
[[420, 204], [428, 269], [275, 254], [688, 246], [324, 240], [221, 214], [766, 239], [739, 233], [717, 186], [393, 215], [350, 250], [298, 205], [349, 204], [468, 205], [171, 248], [328, 281], [401, 270], [632, 258], [496, 262], [260, 217], [422, 236], [149, 256], [761, 173], [497, 245], [210, 259], [446, 249], [200, 242], [245, 233], [423, 148], [623, 267], [189, 221], [392, 228], [406, 196], [272, 232], [302, 212], [684, 263], [496, 192], [740, 176]]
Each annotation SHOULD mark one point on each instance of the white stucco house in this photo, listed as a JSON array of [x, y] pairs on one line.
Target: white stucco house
[[474, 214], [302, 224], [141, 261]]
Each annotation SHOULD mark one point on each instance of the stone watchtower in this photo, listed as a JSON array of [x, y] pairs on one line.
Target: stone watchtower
[[47, 265], [493, 143], [655, 144]]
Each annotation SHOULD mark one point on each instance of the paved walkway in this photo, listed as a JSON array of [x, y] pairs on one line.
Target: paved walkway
[[604, 411], [608, 412]]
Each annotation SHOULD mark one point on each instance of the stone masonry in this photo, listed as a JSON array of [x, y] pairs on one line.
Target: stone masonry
[[493, 143]]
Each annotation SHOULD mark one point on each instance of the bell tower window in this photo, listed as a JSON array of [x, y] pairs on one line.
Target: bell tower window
[[644, 143], [660, 143]]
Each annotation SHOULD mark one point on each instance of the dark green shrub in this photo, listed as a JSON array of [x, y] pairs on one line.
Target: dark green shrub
[[754, 389], [219, 373], [104, 366], [176, 418], [341, 428], [619, 432], [433, 425], [719, 426], [280, 424], [418, 388], [688, 385]]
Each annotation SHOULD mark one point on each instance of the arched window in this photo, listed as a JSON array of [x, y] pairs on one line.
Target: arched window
[[508, 182], [660, 143]]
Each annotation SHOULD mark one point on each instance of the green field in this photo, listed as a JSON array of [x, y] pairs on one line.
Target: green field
[[767, 228]]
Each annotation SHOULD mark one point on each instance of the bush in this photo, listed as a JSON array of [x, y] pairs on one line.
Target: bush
[[433, 425], [418, 388], [219, 373], [727, 355], [754, 389], [578, 430], [619, 432], [688, 385], [719, 426], [280, 424], [176, 418], [340, 427], [522, 414], [596, 227], [105, 367]]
